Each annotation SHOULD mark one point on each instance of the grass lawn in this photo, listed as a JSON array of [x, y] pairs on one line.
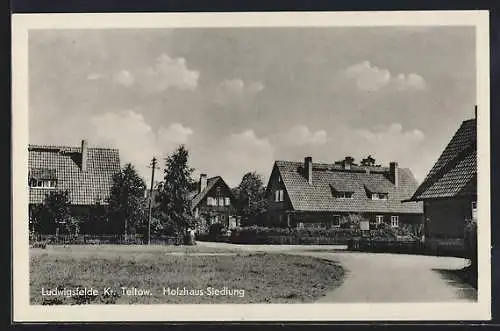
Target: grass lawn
[[194, 272]]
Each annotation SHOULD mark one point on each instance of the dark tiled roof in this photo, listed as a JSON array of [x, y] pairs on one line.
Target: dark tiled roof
[[197, 197], [318, 196], [63, 162], [454, 173]]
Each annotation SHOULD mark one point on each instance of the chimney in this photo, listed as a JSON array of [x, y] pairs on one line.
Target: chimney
[[393, 172], [85, 153], [203, 182], [348, 162], [308, 169]]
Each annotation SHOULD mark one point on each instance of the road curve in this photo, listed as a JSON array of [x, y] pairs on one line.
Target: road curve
[[383, 278]]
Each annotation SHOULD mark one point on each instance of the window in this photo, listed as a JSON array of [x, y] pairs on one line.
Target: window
[[379, 219], [210, 201], [336, 221], [474, 211], [228, 201], [394, 221], [42, 183], [300, 225], [221, 201], [279, 179], [279, 195], [344, 195], [379, 196]]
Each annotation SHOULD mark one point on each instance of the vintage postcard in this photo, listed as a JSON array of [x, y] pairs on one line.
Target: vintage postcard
[[251, 166]]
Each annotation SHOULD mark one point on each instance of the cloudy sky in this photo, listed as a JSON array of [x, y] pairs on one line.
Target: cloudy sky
[[240, 98]]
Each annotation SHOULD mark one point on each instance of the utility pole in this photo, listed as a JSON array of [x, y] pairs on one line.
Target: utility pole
[[153, 167]]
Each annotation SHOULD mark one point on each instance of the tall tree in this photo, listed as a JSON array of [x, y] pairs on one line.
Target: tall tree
[[252, 204], [127, 204], [174, 210]]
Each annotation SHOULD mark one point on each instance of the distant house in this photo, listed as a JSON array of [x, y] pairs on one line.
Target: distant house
[[213, 202], [86, 173], [449, 192], [307, 194]]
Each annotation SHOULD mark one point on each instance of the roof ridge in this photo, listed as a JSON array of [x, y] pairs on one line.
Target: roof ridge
[[36, 146]]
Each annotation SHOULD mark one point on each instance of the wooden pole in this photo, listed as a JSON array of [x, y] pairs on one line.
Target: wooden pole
[[153, 166]]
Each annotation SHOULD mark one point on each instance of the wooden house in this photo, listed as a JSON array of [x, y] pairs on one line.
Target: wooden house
[[449, 191], [307, 194], [86, 173], [213, 202]]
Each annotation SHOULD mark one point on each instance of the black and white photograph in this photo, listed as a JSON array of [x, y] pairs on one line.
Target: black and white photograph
[[257, 166]]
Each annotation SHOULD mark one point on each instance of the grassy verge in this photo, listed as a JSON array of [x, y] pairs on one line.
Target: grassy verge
[[239, 277]]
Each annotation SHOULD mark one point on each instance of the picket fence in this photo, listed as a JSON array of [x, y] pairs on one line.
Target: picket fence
[[88, 239]]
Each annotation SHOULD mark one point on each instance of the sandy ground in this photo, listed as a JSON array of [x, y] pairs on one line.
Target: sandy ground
[[375, 277]]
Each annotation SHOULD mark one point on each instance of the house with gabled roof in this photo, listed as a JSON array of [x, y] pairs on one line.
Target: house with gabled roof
[[449, 191], [213, 202], [85, 172], [307, 194]]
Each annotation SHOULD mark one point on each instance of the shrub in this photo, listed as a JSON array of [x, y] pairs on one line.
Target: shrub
[[215, 230], [264, 235]]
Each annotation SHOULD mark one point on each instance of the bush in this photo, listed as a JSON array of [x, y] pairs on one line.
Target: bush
[[291, 236], [215, 230], [40, 244]]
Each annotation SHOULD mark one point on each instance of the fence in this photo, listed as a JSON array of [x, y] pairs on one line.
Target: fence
[[47, 239]]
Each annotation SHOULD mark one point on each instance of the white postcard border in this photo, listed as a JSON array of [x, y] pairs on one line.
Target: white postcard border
[[24, 312]]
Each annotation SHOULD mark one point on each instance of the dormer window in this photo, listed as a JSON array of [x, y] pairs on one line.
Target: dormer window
[[344, 195], [42, 178], [42, 183], [379, 196]]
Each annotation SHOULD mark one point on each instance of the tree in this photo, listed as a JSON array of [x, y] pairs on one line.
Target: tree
[[174, 205], [252, 204], [127, 204], [54, 215]]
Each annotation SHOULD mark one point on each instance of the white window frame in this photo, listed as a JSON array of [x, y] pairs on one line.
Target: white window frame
[[395, 221], [380, 196], [227, 201], [279, 195], [379, 219], [43, 183], [220, 201], [474, 211]]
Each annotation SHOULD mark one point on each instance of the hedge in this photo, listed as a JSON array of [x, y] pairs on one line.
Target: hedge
[[294, 236]]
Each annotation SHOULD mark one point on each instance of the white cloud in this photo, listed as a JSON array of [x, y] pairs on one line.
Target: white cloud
[[235, 90], [234, 156], [410, 81], [169, 72], [371, 78], [301, 135], [135, 138], [94, 76], [124, 78], [176, 133]]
